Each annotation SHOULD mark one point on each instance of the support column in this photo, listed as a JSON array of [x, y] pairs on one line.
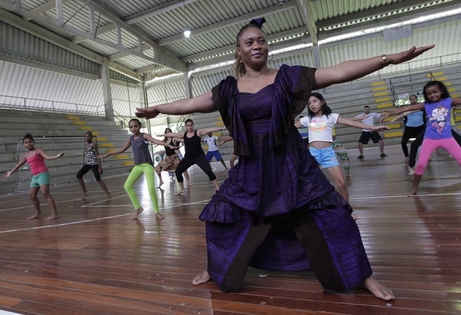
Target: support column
[[187, 84], [316, 53], [107, 92]]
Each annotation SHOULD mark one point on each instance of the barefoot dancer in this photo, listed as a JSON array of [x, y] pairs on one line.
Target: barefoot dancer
[[93, 163], [171, 160], [320, 123], [194, 153], [437, 105], [277, 208], [143, 164], [40, 178]]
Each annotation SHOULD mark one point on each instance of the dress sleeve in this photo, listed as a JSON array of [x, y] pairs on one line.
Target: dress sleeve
[[293, 86], [225, 96], [300, 82]]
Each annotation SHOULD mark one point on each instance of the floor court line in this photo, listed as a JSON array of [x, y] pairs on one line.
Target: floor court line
[[64, 224], [57, 202], [403, 196], [92, 220]]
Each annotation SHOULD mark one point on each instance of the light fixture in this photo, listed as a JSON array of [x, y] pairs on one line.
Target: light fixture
[[186, 32], [282, 3]]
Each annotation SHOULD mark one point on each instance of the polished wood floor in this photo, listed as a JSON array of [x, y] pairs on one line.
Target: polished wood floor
[[95, 260]]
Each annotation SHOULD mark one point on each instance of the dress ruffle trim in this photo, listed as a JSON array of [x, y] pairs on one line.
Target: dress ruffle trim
[[333, 200], [221, 211]]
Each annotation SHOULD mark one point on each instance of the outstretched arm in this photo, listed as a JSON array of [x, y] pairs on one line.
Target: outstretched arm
[[16, 167], [49, 157], [204, 131], [224, 140], [356, 124], [354, 69], [172, 135], [121, 150], [159, 142], [402, 115], [361, 117], [397, 111], [199, 104]]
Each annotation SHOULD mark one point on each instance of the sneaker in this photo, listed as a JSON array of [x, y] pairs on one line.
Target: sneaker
[[360, 157], [383, 155]]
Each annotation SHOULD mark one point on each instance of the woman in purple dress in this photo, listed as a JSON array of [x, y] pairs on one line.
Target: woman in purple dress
[[277, 211]]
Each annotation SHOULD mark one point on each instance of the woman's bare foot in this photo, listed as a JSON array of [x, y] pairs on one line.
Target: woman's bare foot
[[138, 212], [378, 290], [179, 193], [159, 216], [52, 217], [160, 184], [189, 184], [86, 193], [201, 278], [412, 193], [35, 216]]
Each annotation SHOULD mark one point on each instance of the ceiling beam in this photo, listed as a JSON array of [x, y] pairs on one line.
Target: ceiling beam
[[158, 10], [238, 20], [47, 67], [59, 41], [49, 36], [140, 16], [47, 6], [160, 56], [305, 8]]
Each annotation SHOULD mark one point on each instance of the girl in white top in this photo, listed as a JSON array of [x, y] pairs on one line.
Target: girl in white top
[[320, 122]]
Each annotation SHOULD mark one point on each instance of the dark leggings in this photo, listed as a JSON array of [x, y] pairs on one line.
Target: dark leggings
[[201, 161], [417, 143], [410, 132], [85, 168]]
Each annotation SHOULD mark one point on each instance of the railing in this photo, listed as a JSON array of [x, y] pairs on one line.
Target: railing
[[123, 120], [40, 105]]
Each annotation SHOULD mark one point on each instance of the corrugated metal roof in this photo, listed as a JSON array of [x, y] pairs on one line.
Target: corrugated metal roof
[[218, 22]]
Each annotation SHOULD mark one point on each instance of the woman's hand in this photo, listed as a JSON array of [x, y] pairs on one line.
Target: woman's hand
[[410, 54], [384, 117], [380, 128], [7, 174], [148, 112]]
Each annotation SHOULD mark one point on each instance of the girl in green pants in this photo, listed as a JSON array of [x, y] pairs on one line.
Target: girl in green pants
[[139, 143]]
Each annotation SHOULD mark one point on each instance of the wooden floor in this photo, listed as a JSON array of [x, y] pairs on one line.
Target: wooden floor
[[95, 260]]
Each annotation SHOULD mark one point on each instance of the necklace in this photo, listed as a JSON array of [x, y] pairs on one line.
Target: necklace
[[257, 77]]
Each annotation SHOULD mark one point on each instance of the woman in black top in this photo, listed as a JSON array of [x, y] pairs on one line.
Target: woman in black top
[[194, 152]]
